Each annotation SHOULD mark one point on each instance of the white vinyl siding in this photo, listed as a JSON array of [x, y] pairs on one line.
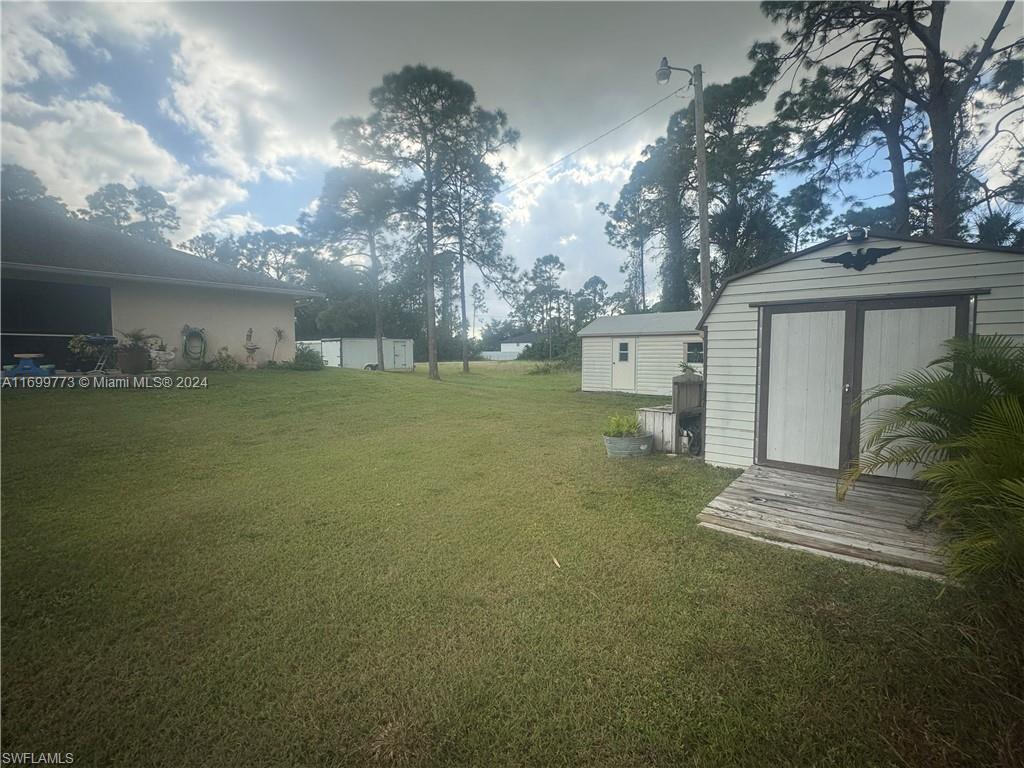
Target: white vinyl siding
[[597, 363], [657, 360], [731, 330]]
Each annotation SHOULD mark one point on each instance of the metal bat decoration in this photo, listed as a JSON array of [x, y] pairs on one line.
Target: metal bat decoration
[[861, 258]]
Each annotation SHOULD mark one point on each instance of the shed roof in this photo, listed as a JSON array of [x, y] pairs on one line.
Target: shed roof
[[872, 235], [645, 324], [38, 240]]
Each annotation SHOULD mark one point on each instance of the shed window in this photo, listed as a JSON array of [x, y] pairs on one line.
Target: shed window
[[695, 352], [623, 351]]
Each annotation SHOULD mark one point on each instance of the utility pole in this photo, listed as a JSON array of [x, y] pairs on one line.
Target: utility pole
[[663, 74]]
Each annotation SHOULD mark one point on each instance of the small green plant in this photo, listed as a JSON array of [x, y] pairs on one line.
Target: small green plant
[[622, 425], [307, 359], [685, 367], [137, 338], [82, 349], [278, 338], [224, 361]]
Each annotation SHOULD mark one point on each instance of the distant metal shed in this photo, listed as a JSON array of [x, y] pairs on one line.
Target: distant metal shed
[[640, 353]]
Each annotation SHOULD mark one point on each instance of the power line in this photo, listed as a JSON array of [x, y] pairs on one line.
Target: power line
[[580, 148]]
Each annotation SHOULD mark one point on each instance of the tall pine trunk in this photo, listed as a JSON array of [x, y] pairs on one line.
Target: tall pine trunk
[[900, 191], [945, 208], [941, 111], [643, 279], [464, 320], [675, 295], [378, 317], [428, 272], [892, 129], [464, 329]]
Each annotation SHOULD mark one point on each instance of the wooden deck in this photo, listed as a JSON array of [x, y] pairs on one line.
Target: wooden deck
[[800, 510]]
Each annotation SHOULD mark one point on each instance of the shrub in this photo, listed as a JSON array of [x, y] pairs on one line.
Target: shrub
[[961, 424], [137, 338], [623, 425], [307, 359], [224, 361], [82, 349]]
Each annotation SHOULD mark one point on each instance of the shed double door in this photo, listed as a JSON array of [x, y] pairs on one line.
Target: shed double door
[[816, 359]]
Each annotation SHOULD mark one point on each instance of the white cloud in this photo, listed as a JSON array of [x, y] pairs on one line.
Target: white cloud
[[28, 50], [580, 171], [35, 35], [77, 145], [100, 92], [237, 111], [566, 239], [200, 199]]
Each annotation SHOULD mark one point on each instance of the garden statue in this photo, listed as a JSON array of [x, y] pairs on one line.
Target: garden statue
[[250, 350]]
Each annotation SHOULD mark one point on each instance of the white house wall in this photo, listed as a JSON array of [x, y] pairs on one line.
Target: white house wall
[[225, 315], [917, 268], [597, 363]]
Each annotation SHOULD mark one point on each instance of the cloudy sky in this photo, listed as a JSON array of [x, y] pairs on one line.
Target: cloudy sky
[[227, 107]]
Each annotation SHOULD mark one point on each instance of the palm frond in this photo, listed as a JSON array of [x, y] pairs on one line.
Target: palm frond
[[960, 424]]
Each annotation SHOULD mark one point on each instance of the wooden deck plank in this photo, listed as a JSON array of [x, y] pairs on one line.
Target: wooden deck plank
[[906, 538], [868, 539], [898, 526], [800, 508], [758, 494], [896, 519], [840, 545]]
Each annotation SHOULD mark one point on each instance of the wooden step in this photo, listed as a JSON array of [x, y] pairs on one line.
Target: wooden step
[[843, 545]]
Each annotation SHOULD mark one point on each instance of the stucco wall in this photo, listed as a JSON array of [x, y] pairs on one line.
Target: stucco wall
[[226, 316]]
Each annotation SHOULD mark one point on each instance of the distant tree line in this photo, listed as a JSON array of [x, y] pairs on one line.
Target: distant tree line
[[860, 81]]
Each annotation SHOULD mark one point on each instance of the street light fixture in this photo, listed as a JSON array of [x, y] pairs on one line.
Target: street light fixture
[[663, 74]]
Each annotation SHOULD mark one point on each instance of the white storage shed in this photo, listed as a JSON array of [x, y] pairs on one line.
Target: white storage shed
[[362, 353], [640, 353], [791, 344]]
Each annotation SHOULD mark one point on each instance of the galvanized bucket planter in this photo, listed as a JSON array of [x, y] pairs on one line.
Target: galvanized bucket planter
[[626, 447]]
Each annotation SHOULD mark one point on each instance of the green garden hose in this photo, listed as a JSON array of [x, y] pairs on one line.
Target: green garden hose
[[193, 344]]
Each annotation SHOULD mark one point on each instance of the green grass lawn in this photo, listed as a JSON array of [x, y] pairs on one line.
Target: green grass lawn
[[348, 568]]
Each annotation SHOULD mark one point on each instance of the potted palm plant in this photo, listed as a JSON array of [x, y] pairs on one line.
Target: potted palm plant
[[625, 437], [133, 352]]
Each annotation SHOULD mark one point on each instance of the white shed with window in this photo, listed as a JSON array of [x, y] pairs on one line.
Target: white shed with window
[[640, 353], [793, 343]]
